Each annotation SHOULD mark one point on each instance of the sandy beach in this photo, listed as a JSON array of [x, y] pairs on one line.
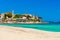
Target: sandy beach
[[15, 33]]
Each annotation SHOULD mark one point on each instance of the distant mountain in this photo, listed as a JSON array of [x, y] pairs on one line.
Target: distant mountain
[[54, 22]]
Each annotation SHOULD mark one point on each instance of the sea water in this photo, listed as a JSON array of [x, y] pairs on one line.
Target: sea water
[[45, 27]]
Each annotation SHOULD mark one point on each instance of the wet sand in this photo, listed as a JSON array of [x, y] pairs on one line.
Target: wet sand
[[15, 33]]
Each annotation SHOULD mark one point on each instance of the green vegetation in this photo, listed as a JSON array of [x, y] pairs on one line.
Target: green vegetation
[[29, 18], [5, 17], [9, 14], [18, 16], [40, 17]]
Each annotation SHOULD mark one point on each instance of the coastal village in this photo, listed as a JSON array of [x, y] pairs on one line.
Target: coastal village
[[11, 17]]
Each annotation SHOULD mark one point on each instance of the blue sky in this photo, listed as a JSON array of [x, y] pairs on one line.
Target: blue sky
[[49, 10]]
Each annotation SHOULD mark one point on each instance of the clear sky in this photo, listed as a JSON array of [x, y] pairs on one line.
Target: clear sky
[[49, 10]]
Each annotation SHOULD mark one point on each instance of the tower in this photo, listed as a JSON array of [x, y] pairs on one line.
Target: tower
[[12, 13]]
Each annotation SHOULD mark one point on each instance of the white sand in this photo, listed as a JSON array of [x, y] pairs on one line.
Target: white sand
[[14, 33]]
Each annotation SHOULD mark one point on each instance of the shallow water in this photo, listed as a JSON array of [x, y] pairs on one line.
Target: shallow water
[[46, 27]]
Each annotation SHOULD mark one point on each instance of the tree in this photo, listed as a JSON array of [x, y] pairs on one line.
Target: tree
[[27, 16], [40, 19], [5, 17], [9, 14], [17, 16]]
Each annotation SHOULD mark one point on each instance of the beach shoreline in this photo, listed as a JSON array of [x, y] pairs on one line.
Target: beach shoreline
[[15, 33]]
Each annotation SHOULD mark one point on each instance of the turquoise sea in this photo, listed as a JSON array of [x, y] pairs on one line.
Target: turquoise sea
[[45, 27]]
